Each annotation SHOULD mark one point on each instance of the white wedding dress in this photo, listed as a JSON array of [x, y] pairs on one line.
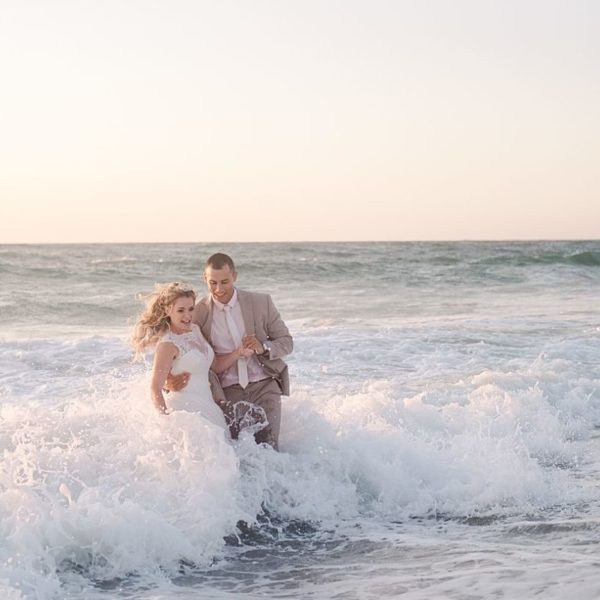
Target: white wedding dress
[[195, 356]]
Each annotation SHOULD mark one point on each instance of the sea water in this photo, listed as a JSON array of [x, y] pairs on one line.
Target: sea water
[[441, 440]]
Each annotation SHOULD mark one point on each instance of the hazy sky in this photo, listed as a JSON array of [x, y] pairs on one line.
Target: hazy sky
[[255, 120]]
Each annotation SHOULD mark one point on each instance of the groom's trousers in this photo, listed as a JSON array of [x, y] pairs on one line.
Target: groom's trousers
[[256, 407]]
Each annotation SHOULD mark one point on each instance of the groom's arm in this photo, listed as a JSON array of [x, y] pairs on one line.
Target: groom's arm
[[279, 342]]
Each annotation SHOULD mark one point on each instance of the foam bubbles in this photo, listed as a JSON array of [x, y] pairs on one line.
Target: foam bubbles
[[431, 384], [105, 484]]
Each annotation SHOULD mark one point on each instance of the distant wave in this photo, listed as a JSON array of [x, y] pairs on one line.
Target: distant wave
[[588, 259], [111, 261]]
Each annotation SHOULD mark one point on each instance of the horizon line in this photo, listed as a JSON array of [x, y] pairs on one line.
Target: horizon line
[[349, 241]]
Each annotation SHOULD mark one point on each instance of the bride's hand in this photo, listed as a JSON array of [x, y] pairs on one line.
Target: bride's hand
[[175, 383], [244, 352]]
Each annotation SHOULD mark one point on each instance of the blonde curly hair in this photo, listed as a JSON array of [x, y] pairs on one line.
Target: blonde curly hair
[[154, 321]]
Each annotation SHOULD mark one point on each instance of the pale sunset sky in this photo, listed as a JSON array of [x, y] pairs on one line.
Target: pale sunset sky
[[256, 120]]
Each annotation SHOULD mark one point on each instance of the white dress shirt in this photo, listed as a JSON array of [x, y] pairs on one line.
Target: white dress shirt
[[223, 342]]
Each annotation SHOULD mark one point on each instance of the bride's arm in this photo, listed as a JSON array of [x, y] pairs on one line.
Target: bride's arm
[[222, 362], [165, 354]]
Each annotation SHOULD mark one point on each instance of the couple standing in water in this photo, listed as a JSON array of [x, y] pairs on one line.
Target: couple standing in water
[[220, 356]]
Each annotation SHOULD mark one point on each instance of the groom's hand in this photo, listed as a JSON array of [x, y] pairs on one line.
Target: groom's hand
[[176, 383], [251, 343]]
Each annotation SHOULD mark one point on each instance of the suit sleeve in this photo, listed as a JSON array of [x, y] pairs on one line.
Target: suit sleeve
[[278, 334], [215, 387]]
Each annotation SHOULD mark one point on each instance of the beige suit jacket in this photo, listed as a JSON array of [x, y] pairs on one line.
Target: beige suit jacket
[[262, 319]]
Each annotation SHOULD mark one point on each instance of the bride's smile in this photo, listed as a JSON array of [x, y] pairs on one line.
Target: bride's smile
[[180, 314]]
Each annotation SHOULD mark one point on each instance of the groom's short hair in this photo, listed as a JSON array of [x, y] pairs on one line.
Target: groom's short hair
[[219, 261]]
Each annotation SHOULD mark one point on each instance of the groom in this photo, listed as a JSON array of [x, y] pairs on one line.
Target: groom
[[249, 392]]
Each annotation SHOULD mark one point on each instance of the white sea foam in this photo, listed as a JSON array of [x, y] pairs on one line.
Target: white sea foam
[[438, 443], [102, 482], [92, 477]]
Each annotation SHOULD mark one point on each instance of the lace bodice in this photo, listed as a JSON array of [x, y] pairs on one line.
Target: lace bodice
[[191, 340]]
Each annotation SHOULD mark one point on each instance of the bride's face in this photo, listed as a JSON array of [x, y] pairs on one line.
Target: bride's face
[[180, 313]]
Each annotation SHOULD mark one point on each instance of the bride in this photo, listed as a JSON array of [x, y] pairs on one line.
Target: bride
[[166, 323]]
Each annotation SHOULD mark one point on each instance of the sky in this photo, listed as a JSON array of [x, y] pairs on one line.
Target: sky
[[255, 120]]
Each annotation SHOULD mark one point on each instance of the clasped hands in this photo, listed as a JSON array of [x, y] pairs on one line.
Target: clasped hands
[[249, 342], [250, 345]]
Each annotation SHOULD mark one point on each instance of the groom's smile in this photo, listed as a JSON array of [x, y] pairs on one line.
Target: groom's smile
[[220, 283]]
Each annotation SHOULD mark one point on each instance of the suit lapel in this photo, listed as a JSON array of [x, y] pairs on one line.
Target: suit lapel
[[207, 324], [246, 306]]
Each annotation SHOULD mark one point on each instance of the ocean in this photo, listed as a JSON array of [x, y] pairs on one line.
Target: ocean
[[441, 439]]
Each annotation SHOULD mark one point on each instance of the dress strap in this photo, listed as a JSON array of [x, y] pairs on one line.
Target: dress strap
[[169, 337]]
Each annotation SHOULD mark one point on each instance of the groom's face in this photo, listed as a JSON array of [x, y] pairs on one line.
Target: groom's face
[[220, 283]]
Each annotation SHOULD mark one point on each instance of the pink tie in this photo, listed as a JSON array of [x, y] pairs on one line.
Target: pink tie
[[237, 340]]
